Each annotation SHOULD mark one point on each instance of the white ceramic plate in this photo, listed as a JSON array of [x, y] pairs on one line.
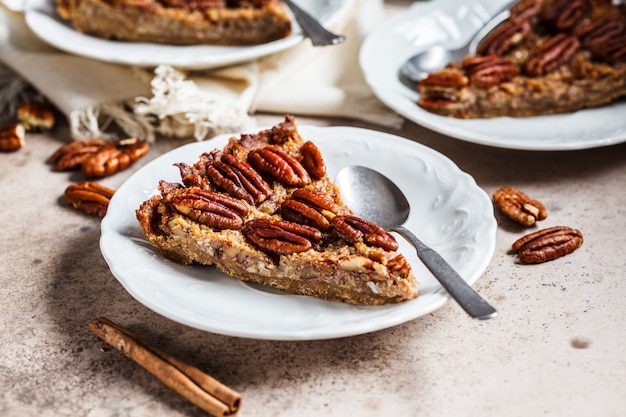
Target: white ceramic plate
[[425, 23], [448, 211], [45, 22]]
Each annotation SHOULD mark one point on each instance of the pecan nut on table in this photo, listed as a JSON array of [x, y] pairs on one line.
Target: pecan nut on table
[[519, 207], [90, 197], [548, 244], [12, 137], [98, 157]]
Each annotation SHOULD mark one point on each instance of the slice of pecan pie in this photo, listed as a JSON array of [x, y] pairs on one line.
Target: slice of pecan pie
[[550, 56], [180, 22], [264, 210]]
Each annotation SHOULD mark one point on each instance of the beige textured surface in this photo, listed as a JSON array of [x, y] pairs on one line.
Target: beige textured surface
[[557, 348]]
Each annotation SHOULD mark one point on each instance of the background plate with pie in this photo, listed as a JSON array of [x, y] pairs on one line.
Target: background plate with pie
[[445, 21], [448, 211], [45, 22]]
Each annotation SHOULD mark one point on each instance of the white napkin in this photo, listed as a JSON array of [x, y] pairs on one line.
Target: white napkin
[[304, 80]]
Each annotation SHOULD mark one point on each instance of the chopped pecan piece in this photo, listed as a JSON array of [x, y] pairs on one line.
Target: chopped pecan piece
[[548, 244], [311, 208], [218, 211], [36, 115], [114, 157], [238, 179], [485, 71], [312, 160], [90, 197], [280, 237], [552, 54], [280, 165], [355, 229], [518, 206], [12, 137]]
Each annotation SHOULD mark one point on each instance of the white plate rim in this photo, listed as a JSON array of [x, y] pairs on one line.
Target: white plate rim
[[120, 231], [41, 17], [386, 48]]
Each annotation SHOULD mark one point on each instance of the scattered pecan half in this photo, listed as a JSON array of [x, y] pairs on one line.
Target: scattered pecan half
[[280, 237], [114, 157], [36, 115], [355, 229], [548, 244], [216, 210], [503, 38], [311, 208], [564, 14], [12, 137], [312, 160], [71, 155], [518, 206], [97, 157], [485, 71], [553, 53], [90, 197], [238, 179], [279, 165]]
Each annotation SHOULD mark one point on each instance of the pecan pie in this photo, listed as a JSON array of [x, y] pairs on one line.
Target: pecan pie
[[550, 56], [263, 209], [180, 22]]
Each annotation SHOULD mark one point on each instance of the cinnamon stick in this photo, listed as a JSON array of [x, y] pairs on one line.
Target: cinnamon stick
[[199, 388]]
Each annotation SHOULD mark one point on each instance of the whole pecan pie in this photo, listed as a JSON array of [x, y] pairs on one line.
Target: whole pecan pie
[[549, 56], [180, 22], [263, 209]]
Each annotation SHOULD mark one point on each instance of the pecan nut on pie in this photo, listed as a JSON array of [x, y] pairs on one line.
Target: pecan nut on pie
[[180, 22], [550, 56], [263, 209]]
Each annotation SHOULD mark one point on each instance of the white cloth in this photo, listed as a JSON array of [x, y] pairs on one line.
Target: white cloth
[[304, 80]]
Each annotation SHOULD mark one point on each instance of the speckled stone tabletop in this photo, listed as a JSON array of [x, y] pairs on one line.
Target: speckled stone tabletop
[[556, 349]]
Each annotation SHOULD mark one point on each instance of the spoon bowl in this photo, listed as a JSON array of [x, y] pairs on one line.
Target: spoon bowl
[[436, 57], [360, 186]]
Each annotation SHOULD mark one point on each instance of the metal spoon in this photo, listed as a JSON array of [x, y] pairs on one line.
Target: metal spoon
[[312, 28], [361, 186], [437, 57]]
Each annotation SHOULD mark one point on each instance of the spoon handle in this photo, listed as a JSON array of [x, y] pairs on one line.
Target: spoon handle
[[312, 28], [450, 280]]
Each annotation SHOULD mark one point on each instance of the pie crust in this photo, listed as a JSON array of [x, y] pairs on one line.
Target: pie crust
[[550, 56], [348, 260]]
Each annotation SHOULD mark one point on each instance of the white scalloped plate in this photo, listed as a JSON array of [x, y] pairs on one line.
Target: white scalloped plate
[[45, 22], [448, 211], [447, 21]]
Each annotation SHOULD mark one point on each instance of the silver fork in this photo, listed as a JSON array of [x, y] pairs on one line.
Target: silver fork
[[312, 28]]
